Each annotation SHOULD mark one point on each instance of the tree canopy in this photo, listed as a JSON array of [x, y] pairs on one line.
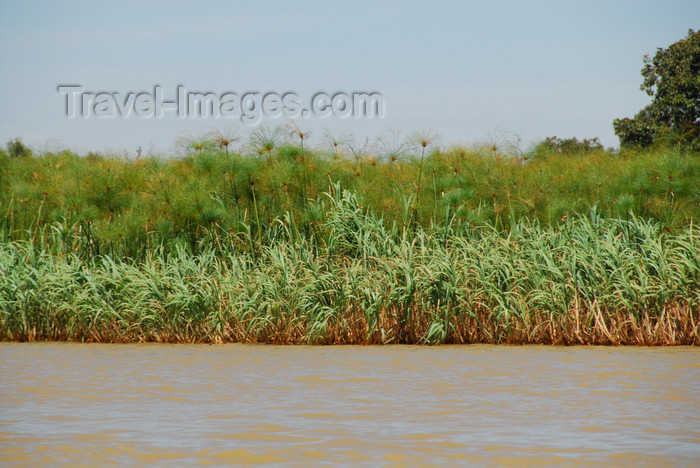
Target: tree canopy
[[672, 79]]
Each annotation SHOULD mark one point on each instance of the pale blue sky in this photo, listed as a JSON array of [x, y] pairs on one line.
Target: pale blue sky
[[468, 70]]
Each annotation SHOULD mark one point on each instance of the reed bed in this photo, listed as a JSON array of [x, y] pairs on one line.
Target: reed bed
[[349, 275], [120, 206]]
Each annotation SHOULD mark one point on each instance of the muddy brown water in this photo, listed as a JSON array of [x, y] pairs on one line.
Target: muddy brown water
[[184, 405]]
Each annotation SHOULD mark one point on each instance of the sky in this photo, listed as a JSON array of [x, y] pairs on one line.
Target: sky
[[470, 71]]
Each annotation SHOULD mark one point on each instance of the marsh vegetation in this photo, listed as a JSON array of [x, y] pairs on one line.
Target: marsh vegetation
[[265, 239]]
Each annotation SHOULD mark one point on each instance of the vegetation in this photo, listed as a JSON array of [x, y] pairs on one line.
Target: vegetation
[[672, 78], [122, 207], [589, 280], [396, 243], [568, 145]]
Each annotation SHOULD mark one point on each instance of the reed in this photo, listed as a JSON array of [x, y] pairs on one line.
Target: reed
[[128, 205], [277, 242], [588, 280]]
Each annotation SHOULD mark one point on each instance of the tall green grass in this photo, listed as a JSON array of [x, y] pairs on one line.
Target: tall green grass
[[587, 280], [118, 206], [277, 242]]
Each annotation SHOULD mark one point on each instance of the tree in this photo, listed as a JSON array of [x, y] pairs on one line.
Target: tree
[[568, 145], [672, 79], [17, 149]]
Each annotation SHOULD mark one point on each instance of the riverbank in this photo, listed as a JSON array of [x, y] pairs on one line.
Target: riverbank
[[589, 280], [565, 244]]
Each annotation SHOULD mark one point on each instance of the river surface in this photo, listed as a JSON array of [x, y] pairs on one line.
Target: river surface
[[219, 405]]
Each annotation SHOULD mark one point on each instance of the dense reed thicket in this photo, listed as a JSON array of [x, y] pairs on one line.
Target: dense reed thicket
[[288, 245], [588, 280], [112, 205]]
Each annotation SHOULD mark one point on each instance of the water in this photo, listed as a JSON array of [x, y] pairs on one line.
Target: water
[[219, 405]]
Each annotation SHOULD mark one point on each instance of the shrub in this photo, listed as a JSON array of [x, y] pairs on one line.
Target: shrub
[[568, 145], [17, 149]]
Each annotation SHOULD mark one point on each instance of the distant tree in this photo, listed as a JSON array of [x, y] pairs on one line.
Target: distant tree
[[672, 79], [17, 149], [568, 145], [639, 131]]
